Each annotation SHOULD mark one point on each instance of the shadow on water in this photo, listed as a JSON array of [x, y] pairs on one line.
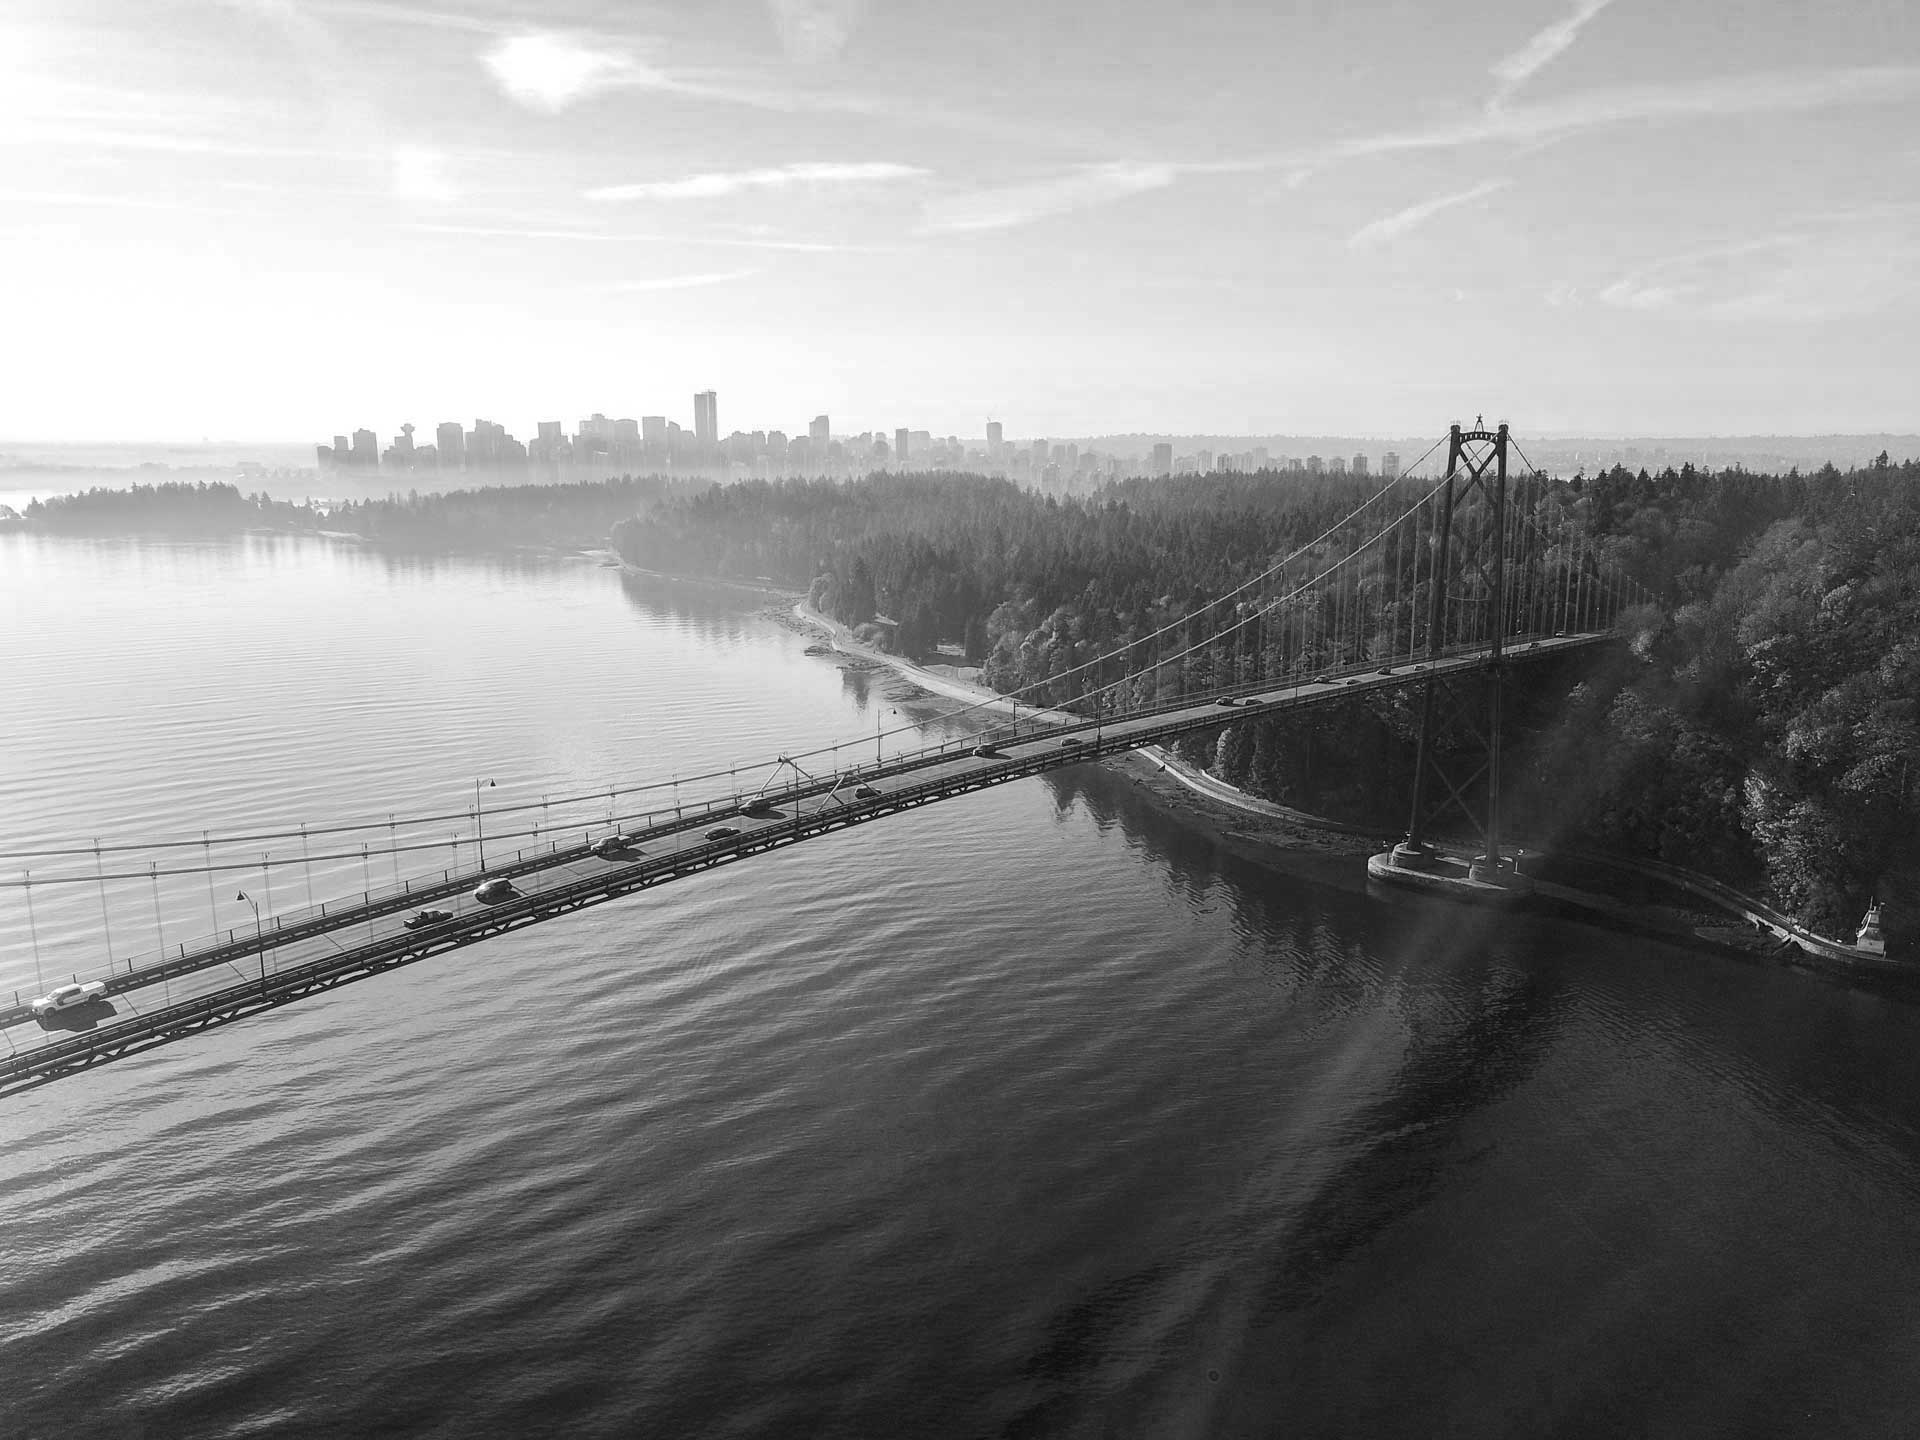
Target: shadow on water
[[1495, 1026], [1468, 1021], [713, 613], [1194, 860]]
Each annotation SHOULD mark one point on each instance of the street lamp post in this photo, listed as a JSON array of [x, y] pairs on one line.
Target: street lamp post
[[259, 933], [479, 825]]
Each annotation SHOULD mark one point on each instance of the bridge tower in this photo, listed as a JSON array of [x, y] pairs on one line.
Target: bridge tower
[[1470, 552]]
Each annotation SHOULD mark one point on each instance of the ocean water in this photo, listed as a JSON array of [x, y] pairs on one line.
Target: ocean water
[[1030, 1113]]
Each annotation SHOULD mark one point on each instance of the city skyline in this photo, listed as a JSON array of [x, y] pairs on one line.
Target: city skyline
[[1597, 216]]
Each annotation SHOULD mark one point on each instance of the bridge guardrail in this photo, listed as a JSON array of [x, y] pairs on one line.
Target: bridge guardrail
[[56, 1056]]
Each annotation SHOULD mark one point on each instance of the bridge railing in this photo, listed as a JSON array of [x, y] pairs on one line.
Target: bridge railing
[[291, 927]]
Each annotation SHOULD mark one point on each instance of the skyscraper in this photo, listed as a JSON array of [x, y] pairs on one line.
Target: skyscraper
[[820, 432], [1163, 458], [366, 449], [1390, 466], [902, 447], [452, 441], [1359, 464], [706, 418], [994, 436]]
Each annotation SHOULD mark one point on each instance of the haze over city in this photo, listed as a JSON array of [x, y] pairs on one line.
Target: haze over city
[[260, 218]]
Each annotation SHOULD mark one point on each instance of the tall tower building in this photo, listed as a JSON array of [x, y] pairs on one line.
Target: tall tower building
[[820, 432], [1163, 458], [902, 447], [451, 441], [994, 438], [366, 449], [706, 418], [1360, 464], [1390, 466]]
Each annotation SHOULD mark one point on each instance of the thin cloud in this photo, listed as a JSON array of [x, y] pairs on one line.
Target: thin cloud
[[1814, 272], [550, 71], [805, 247], [1514, 70], [1755, 94], [1007, 206], [685, 282], [110, 202], [812, 31], [1387, 227], [717, 184], [420, 176], [506, 232], [1633, 293], [407, 15]]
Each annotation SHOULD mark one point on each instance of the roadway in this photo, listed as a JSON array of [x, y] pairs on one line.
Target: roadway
[[347, 941]]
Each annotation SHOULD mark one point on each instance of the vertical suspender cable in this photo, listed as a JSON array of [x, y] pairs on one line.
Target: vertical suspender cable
[[33, 927], [106, 927]]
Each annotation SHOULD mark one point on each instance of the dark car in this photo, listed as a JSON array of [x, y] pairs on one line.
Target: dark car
[[428, 917], [1226, 700], [866, 792], [496, 892], [722, 832], [987, 752], [1072, 742], [614, 847], [1384, 670], [1321, 680], [760, 810]]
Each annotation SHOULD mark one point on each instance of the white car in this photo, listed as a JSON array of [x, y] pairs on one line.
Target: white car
[[65, 997]]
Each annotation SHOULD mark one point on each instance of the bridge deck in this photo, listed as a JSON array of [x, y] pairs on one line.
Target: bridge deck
[[228, 980]]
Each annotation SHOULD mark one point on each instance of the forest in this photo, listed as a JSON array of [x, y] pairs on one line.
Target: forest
[[572, 514], [1760, 725]]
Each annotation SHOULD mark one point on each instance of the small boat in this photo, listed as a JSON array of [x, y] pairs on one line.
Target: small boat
[[1870, 939]]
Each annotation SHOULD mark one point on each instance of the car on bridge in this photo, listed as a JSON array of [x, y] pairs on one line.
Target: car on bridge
[[987, 752], [1321, 680], [496, 891], [426, 919], [1072, 742], [1226, 700], [866, 792], [760, 809], [616, 847], [67, 997], [722, 832]]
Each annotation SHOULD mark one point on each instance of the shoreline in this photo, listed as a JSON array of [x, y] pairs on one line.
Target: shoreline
[[1317, 847], [1245, 826]]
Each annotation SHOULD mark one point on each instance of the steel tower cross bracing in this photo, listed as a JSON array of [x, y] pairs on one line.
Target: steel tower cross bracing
[[1470, 550]]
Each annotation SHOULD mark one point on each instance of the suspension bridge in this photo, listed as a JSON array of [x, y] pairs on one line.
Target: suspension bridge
[[1441, 582]]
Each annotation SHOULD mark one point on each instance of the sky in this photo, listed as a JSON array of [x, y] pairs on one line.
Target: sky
[[282, 219]]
